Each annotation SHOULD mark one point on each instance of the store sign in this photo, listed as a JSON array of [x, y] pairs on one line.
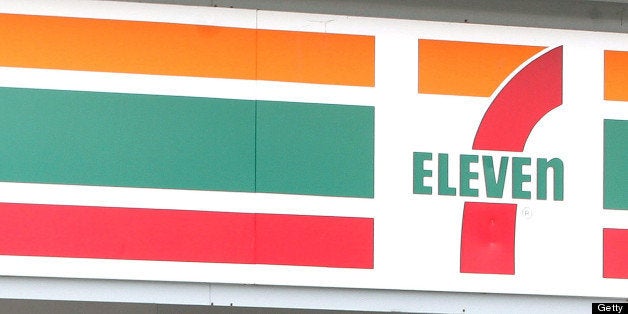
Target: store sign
[[495, 179], [158, 142]]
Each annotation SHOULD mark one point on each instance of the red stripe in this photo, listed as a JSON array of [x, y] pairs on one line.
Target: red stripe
[[616, 253], [488, 238], [290, 240], [188, 236]]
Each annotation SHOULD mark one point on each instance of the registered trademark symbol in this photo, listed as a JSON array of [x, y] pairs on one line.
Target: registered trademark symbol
[[526, 212]]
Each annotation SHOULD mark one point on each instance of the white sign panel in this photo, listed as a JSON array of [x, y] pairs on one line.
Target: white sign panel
[[158, 142]]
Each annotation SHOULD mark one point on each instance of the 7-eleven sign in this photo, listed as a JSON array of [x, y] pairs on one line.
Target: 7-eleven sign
[[254, 147]]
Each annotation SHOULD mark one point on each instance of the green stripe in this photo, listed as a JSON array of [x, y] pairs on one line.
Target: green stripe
[[315, 149], [109, 139], [615, 164]]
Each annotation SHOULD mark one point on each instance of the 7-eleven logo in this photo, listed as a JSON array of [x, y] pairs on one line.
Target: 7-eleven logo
[[477, 69]]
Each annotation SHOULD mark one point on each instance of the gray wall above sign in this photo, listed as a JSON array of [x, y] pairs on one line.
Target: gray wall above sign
[[600, 15]]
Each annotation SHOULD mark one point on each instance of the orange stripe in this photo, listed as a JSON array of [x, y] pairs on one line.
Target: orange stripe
[[316, 58], [126, 46], [616, 75], [467, 68], [184, 50]]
